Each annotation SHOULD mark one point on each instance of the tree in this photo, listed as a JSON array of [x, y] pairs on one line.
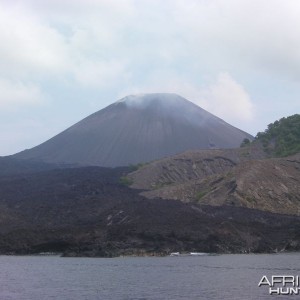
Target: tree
[[281, 138], [245, 142]]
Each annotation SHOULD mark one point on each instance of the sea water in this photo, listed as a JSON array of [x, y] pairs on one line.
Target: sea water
[[188, 277]]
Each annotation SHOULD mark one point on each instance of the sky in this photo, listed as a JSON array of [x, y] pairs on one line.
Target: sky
[[61, 60]]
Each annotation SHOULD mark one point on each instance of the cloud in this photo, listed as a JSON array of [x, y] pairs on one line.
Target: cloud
[[14, 95], [228, 99], [28, 45], [96, 50], [54, 44], [56, 38], [100, 74], [247, 33], [81, 7], [224, 96]]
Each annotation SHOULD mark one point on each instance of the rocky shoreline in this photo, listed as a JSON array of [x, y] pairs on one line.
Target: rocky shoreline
[[88, 212], [140, 253]]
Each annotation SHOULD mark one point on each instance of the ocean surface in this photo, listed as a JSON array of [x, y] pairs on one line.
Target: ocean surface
[[200, 277]]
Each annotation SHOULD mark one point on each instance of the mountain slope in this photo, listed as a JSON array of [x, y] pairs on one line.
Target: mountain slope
[[87, 212], [12, 166], [236, 177], [137, 129]]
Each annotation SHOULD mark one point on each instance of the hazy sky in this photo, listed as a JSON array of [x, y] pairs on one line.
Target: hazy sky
[[61, 60]]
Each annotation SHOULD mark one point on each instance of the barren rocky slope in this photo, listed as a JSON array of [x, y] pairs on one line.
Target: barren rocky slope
[[137, 129], [87, 212], [238, 177], [10, 165], [225, 201]]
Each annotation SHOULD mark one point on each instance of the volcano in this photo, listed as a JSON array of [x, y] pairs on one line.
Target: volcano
[[137, 129]]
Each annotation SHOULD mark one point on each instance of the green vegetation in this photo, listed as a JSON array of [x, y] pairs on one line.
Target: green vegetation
[[137, 166], [141, 165], [124, 180], [245, 142], [281, 138], [200, 195]]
